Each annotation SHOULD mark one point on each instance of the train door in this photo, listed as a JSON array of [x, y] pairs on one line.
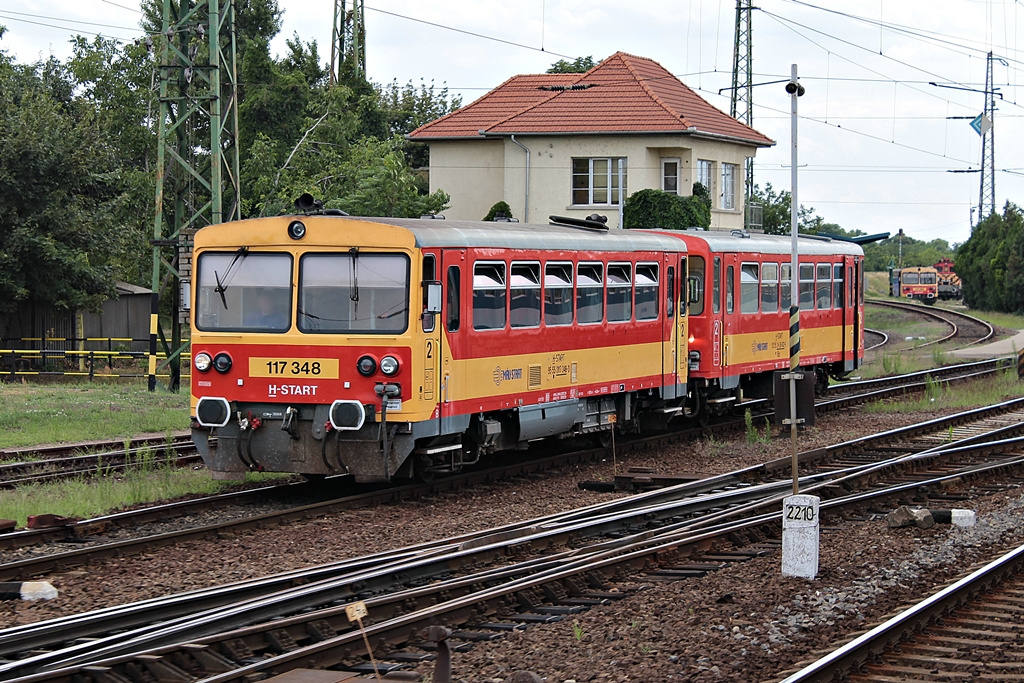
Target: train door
[[453, 265], [432, 325], [730, 306], [857, 302], [849, 306], [668, 327], [673, 329], [682, 325]]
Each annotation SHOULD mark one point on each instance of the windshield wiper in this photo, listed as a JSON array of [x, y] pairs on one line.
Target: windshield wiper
[[220, 290], [222, 287], [354, 296]]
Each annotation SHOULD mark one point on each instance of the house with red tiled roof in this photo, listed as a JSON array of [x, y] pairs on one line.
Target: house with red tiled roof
[[578, 144]]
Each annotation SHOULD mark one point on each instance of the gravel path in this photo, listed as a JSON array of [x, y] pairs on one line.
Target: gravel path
[[199, 564]]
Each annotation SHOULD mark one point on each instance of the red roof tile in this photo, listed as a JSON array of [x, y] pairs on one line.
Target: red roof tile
[[623, 94]]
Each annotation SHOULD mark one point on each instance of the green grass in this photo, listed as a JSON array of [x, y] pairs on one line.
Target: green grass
[[35, 414], [982, 392], [101, 495]]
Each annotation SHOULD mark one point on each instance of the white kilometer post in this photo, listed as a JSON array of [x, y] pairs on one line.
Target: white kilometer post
[[800, 536]]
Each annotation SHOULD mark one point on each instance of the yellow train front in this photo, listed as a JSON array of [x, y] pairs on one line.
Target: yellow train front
[[919, 282], [386, 348]]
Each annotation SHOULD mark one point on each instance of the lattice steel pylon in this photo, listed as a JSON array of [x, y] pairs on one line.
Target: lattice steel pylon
[[197, 179], [742, 105], [987, 192], [348, 38]]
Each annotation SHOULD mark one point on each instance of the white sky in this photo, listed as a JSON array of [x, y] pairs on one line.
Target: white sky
[[875, 141]]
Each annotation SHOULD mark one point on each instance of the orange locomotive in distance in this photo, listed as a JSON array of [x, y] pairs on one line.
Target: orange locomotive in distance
[[390, 348]]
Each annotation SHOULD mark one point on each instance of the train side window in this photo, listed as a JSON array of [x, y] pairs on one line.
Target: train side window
[[489, 295], [716, 287], [558, 294], [695, 284], [453, 300], [619, 292], [807, 286], [524, 305], [646, 291], [824, 291], [748, 288], [769, 287], [670, 293], [849, 285], [837, 285], [683, 298], [429, 275], [590, 293], [786, 287], [730, 286]]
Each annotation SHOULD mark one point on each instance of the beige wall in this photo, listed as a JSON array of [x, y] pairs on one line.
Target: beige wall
[[477, 173], [472, 172]]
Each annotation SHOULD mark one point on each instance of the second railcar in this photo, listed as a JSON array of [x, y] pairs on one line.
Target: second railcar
[[739, 293]]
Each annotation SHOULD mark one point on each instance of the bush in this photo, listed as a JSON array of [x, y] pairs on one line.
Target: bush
[[658, 209], [499, 207]]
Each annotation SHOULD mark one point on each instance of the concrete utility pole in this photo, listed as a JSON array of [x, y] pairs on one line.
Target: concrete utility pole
[[196, 176]]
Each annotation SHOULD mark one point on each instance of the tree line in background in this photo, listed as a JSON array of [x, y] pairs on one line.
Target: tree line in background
[[78, 150]]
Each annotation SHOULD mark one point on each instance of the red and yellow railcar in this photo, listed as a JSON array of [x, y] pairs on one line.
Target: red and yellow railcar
[[386, 348], [918, 282], [740, 292]]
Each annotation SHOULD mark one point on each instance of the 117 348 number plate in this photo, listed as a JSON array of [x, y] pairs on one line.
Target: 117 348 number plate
[[313, 368]]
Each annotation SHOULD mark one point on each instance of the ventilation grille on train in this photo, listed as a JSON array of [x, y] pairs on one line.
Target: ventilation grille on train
[[533, 380]]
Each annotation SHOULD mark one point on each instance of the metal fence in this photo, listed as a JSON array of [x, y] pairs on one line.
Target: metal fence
[[35, 357]]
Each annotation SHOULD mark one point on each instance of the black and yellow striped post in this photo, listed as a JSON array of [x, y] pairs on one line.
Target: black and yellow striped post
[[794, 338], [1020, 364], [154, 322]]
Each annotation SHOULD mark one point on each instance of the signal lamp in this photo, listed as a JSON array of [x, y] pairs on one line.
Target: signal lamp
[[202, 362], [222, 362], [366, 366], [389, 365]]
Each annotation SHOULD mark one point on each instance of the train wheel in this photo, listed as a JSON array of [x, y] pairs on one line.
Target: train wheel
[[604, 438]]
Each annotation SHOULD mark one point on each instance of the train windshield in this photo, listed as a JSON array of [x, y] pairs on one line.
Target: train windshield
[[241, 291], [353, 293]]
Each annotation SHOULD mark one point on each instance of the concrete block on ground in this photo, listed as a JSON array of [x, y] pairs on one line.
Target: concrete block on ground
[[964, 518], [27, 590]]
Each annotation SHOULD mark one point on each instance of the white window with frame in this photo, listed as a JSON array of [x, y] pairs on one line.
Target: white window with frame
[[670, 168], [728, 197], [704, 175], [600, 180]]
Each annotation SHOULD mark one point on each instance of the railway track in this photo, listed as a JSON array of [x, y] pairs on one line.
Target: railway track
[[965, 329], [492, 581], [86, 535], [874, 339], [52, 463], [968, 631]]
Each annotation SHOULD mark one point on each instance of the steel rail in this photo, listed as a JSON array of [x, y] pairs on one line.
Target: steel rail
[[933, 313], [632, 552], [851, 655], [879, 333], [33, 566], [760, 496]]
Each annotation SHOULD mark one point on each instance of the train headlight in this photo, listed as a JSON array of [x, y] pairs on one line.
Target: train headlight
[[389, 365], [366, 366], [296, 230], [202, 361], [222, 362]]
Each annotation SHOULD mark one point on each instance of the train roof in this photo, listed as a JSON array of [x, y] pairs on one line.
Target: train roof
[[771, 244], [447, 233]]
